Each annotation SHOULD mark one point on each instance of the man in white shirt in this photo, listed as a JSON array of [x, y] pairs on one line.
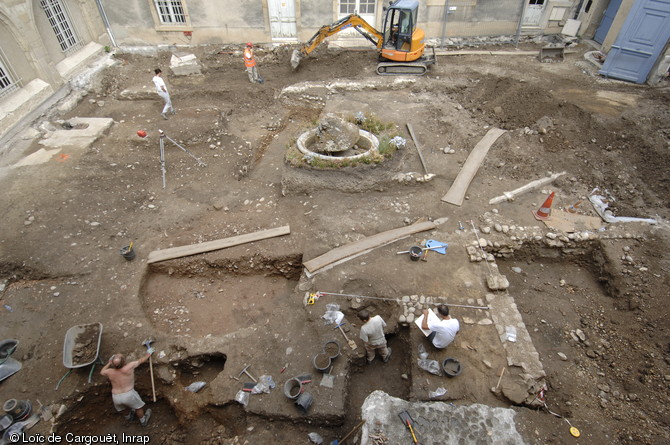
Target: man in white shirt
[[372, 334], [443, 328], [162, 91]]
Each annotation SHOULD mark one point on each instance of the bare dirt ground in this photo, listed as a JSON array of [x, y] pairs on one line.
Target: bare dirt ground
[[65, 221]]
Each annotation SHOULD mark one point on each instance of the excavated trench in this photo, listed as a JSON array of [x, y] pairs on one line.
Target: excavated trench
[[587, 267], [593, 256], [200, 298], [91, 414], [197, 368]]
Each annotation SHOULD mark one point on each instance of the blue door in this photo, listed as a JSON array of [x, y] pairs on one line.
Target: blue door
[[643, 36], [607, 20]]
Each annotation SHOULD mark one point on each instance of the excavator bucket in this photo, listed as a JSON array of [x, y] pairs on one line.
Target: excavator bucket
[[296, 57]]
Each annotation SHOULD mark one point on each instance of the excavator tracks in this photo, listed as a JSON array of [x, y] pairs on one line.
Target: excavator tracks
[[400, 68], [416, 68]]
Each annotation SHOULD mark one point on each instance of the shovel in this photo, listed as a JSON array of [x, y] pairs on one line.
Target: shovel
[[352, 344], [409, 422]]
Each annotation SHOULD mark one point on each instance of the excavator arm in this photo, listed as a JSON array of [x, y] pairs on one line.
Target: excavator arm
[[351, 21]]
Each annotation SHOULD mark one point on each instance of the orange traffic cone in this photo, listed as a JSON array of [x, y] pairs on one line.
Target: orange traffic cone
[[544, 211]]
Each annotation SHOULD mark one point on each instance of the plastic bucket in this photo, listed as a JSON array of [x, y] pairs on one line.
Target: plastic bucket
[[451, 367], [322, 362], [18, 409], [304, 401], [7, 347], [292, 388], [332, 349], [415, 253], [127, 252]]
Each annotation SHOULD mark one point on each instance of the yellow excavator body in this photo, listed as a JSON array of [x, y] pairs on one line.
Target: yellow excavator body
[[401, 44]]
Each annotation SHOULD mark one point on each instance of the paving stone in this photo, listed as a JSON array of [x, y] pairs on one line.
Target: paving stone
[[438, 422]]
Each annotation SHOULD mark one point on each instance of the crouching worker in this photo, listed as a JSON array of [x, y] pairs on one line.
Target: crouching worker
[[443, 328], [124, 396], [372, 334]]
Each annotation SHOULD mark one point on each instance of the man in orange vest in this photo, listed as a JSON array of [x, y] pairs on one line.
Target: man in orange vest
[[250, 63]]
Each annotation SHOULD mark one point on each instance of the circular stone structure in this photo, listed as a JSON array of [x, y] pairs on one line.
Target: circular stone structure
[[366, 138]]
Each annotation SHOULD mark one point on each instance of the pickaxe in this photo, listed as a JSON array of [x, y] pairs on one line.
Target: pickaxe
[[244, 371]]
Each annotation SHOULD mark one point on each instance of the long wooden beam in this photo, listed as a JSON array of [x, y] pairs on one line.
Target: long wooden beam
[[457, 190], [193, 249], [418, 147], [365, 244]]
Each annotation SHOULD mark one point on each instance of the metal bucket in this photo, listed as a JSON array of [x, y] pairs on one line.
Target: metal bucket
[[415, 253], [304, 401], [293, 388], [332, 349], [127, 252], [18, 409], [322, 362], [451, 367]]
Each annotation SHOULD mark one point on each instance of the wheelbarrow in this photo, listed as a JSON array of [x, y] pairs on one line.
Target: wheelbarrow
[[8, 365], [81, 348]]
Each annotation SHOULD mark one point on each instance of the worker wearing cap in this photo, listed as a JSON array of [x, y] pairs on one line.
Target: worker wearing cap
[[250, 63]]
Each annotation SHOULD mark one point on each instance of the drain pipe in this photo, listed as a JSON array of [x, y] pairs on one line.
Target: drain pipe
[[445, 14], [520, 24], [105, 21]]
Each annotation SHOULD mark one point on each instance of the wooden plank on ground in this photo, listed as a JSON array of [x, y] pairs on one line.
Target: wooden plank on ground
[[418, 148], [365, 244], [457, 191], [193, 249]]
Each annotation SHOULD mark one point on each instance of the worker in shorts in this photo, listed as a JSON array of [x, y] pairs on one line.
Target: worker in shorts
[[122, 377], [372, 334]]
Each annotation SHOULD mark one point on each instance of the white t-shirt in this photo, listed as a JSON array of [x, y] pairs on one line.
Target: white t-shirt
[[373, 331], [159, 82], [445, 330]]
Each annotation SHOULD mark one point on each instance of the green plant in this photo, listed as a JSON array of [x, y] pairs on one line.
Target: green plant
[[386, 148], [107, 48], [371, 123], [293, 156]]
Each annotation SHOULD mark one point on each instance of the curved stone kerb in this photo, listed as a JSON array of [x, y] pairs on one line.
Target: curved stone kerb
[[307, 136]]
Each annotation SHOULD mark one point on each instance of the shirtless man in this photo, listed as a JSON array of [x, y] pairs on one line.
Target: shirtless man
[[122, 377]]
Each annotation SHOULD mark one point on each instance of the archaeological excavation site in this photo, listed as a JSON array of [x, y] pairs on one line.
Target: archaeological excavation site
[[241, 237]]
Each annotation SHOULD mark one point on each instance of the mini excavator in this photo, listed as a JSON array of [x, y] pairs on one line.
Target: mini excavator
[[401, 44]]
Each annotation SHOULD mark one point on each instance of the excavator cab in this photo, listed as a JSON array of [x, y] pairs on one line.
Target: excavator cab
[[403, 42], [399, 24]]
